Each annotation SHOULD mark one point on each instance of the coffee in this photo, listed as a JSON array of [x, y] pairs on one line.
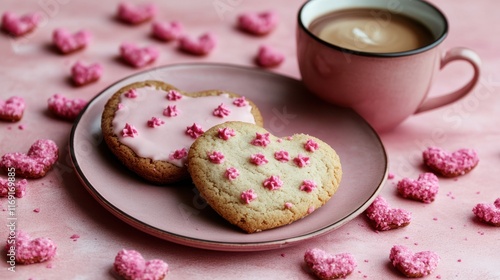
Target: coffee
[[371, 30]]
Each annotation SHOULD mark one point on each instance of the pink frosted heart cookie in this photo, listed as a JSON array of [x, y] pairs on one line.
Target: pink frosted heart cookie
[[258, 181], [130, 265], [327, 266], [269, 57], [19, 25], [11, 187], [384, 217], [12, 109], [450, 164], [150, 125], [85, 74], [67, 42], [167, 31], [488, 213], [258, 23], [65, 108], [202, 45], [40, 158], [136, 14], [138, 57], [413, 265], [26, 250], [424, 189]]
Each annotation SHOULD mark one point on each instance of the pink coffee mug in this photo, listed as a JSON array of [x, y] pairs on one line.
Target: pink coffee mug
[[384, 88]]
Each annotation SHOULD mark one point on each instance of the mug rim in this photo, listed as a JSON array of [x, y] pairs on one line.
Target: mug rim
[[430, 46]]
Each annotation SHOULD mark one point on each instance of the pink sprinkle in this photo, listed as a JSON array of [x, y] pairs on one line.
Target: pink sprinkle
[[194, 131], [434, 219], [130, 264], [311, 209], [226, 133], [261, 139], [273, 183], [488, 213], [129, 131], [248, 196], [240, 102], [12, 109], [132, 14], [65, 108], [174, 95], [74, 237], [131, 93], [120, 106], [288, 205], [269, 57], [200, 46], [179, 154], [424, 189], [21, 127], [20, 25], [301, 160], [67, 42], [85, 74], [258, 159], [308, 186], [282, 156], [154, 122], [258, 23], [450, 165], [311, 145], [216, 157], [384, 217], [231, 173], [221, 111], [19, 187], [329, 266], [390, 176], [459, 260], [138, 57], [171, 111], [167, 31], [36, 210], [413, 264], [29, 251]]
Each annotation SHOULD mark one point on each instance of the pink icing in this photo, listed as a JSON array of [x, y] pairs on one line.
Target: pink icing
[[258, 23], [173, 95], [83, 74], [12, 108], [171, 111], [288, 205], [488, 213], [65, 108], [18, 187], [138, 57], [216, 157], [179, 154], [282, 156], [152, 143], [133, 14], [131, 93], [329, 266], [240, 101], [130, 264], [154, 122], [221, 111], [308, 186], [258, 159], [248, 196], [301, 160], [29, 251], [386, 218], [269, 57], [450, 165], [413, 264], [200, 46], [273, 183], [129, 131], [231, 173], [261, 139], [225, 133], [311, 145], [119, 106], [67, 42], [311, 209], [167, 31], [424, 189], [20, 25], [194, 131]]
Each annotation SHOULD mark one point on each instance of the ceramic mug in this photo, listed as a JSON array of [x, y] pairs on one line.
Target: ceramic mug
[[384, 88]]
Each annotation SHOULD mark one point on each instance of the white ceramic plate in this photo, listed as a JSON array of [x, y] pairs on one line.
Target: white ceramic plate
[[176, 213]]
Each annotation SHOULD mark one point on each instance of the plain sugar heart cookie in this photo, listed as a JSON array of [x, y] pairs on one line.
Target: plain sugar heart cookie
[[258, 181], [150, 125]]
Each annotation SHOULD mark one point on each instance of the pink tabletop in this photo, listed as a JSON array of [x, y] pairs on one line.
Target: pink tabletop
[[88, 236]]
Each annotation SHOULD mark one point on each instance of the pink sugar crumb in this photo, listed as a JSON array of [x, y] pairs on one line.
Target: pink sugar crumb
[[261, 139], [488, 213], [173, 95], [135, 14], [301, 160], [311, 209], [30, 251], [202, 45], [36, 210], [269, 57], [390, 176], [167, 31], [65, 108], [240, 101], [413, 264], [216, 157], [138, 57], [74, 237], [307, 186], [328, 266], [131, 93], [155, 122], [171, 111], [12, 109], [179, 154], [130, 264], [194, 131], [424, 189], [258, 159], [248, 196], [129, 131], [85, 74], [385, 218], [288, 205], [450, 164], [258, 23], [225, 133], [17, 187], [272, 183], [282, 156], [221, 111], [231, 173], [67, 42], [311, 145], [20, 25]]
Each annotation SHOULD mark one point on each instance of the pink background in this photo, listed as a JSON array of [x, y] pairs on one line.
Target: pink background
[[30, 68]]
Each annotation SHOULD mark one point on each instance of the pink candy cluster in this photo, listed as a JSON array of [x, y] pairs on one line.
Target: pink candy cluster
[[130, 264]]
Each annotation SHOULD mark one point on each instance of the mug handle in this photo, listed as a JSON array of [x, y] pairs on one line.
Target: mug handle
[[453, 54]]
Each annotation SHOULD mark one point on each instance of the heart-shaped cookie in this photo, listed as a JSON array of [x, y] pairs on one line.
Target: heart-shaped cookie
[[136, 56], [19, 186], [12, 109], [40, 158], [258, 181], [488, 213], [424, 189], [450, 164], [413, 265], [130, 265], [65, 108], [19, 25], [167, 31], [67, 42], [136, 14], [383, 217], [328, 266], [269, 57], [258, 23], [202, 45], [150, 125], [29, 251], [85, 74]]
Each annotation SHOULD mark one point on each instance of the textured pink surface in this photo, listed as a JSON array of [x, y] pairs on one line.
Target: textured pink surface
[[17, 25], [40, 158], [328, 266], [135, 14], [260, 23], [450, 164], [413, 264], [13, 188], [130, 265], [424, 189], [30, 251], [67, 42], [84, 74], [12, 109], [488, 213], [136, 56], [269, 57], [65, 108], [31, 70], [167, 31], [202, 45], [385, 217]]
